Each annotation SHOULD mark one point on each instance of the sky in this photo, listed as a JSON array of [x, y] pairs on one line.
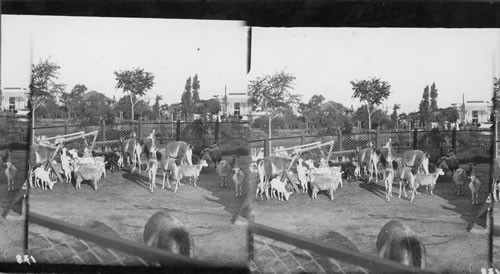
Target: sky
[[325, 61], [90, 49]]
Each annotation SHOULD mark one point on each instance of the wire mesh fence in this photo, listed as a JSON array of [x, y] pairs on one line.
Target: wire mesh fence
[[231, 135], [466, 143]]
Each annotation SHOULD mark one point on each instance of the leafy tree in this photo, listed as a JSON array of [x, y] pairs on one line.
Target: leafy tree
[[271, 94], [434, 95], [332, 116], [156, 106], [394, 115], [496, 98], [43, 85], [95, 108], [196, 88], [311, 110], [372, 93], [164, 110], [424, 107], [186, 99], [72, 100], [379, 118], [135, 84]]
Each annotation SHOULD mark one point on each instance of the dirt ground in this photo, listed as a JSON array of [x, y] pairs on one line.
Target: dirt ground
[[11, 228], [359, 211], [124, 203]]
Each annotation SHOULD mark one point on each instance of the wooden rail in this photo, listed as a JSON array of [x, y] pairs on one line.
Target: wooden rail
[[163, 257], [346, 255]]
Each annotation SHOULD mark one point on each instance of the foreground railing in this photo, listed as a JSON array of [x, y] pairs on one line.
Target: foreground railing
[[113, 242], [349, 256]]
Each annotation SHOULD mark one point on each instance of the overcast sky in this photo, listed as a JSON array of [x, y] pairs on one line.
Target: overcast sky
[[325, 60], [90, 49]]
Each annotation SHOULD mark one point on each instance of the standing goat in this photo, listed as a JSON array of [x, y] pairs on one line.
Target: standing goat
[[428, 180], [397, 242], [10, 172], [239, 179], [302, 173], [280, 187], [388, 181], [474, 187], [406, 177], [192, 171], [166, 232]]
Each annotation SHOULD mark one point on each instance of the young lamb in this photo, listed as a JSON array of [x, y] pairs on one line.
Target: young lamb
[[388, 180], [302, 174], [166, 232], [88, 172], [43, 176], [474, 187], [224, 171], [397, 242], [279, 186], [428, 180], [192, 170], [324, 182], [120, 160], [170, 167], [459, 178], [239, 179], [10, 172]]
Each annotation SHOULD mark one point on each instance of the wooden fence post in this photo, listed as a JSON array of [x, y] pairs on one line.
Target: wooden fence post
[[415, 132], [340, 139], [454, 139], [266, 147], [250, 240], [103, 129], [217, 129], [140, 130], [178, 131]]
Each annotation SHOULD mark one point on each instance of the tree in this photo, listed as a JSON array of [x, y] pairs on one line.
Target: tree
[[379, 118], [496, 98], [73, 99], [164, 110], [196, 88], [394, 115], [186, 99], [434, 95], [371, 93], [43, 85], [156, 106], [424, 106], [134, 83], [95, 108], [271, 94]]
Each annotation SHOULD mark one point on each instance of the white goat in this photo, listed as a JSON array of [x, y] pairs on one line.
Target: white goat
[[302, 173], [192, 171], [279, 186], [152, 169], [459, 178], [474, 187], [10, 172], [44, 176], [428, 180], [66, 163], [239, 179]]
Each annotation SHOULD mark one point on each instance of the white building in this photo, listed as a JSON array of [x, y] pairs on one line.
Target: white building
[[14, 99], [235, 104], [475, 112]]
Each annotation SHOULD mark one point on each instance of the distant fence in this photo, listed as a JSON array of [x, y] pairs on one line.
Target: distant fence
[[466, 143], [14, 130], [230, 135]]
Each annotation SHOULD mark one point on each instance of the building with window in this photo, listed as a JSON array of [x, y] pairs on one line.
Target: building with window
[[14, 99], [235, 104], [475, 112]]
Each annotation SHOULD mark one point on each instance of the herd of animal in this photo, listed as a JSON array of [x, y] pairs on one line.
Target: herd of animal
[[175, 160], [410, 168]]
